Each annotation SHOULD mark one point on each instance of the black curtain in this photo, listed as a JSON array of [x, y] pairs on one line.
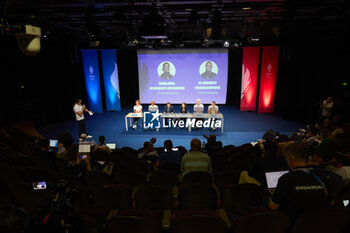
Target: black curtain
[[128, 76], [313, 65], [234, 77], [40, 88]]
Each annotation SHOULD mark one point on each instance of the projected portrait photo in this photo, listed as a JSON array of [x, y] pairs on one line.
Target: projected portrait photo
[[208, 69], [166, 70]]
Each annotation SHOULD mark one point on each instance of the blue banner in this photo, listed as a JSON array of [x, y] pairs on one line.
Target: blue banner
[[111, 80], [92, 80]]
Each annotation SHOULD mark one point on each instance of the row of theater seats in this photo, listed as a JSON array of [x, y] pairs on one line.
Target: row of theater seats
[[135, 198], [165, 203]]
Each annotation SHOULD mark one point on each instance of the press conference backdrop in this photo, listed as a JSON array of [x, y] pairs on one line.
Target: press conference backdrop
[[111, 80], [92, 80], [183, 75]]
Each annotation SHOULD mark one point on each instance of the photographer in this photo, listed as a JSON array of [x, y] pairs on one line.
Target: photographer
[[79, 163]]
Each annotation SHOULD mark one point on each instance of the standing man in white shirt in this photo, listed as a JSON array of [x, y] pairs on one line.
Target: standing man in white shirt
[[198, 108], [137, 109], [213, 109], [152, 107], [79, 110]]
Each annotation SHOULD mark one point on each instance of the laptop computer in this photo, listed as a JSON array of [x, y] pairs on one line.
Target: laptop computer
[[84, 148], [273, 177], [111, 146]]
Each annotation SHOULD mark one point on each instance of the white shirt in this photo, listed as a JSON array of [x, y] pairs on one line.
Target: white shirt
[[213, 110], [77, 108], [153, 108], [138, 108], [198, 108]]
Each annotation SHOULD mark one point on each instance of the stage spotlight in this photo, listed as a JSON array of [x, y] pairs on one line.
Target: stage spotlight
[[133, 43], [226, 44], [237, 44]]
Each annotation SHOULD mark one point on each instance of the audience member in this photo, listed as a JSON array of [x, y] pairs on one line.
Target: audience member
[[148, 149], [212, 145], [102, 146], [170, 154], [79, 163], [195, 160], [268, 162], [326, 108], [67, 141], [343, 166], [302, 189]]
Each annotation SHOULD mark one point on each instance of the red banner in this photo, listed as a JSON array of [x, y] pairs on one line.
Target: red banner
[[250, 65], [268, 77]]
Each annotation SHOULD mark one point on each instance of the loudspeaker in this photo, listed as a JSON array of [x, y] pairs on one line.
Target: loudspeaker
[[269, 135]]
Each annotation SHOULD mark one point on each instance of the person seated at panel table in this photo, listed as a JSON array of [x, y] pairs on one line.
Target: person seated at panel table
[[213, 109], [198, 108], [183, 108], [137, 109], [152, 107], [168, 108]]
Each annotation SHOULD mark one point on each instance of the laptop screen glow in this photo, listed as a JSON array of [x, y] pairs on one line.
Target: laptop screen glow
[[273, 177]]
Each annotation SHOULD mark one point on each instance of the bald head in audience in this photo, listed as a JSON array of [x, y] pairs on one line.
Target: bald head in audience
[[195, 144]]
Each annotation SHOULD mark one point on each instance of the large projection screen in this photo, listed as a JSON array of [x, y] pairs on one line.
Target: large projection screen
[[183, 75]]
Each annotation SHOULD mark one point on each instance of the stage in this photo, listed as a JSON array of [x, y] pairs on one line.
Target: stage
[[240, 127]]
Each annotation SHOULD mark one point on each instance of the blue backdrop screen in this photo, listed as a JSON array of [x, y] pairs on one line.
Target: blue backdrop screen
[[92, 80], [111, 80]]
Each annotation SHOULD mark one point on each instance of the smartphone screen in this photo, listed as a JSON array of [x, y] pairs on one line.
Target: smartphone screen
[[83, 156], [175, 149], [53, 143], [39, 185]]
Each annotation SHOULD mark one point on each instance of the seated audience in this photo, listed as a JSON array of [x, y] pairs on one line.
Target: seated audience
[[269, 161], [67, 141], [102, 146], [212, 145], [79, 163], [302, 189], [148, 149], [168, 155], [195, 160], [343, 166]]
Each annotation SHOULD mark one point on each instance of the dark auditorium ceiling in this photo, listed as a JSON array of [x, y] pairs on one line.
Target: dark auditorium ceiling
[[120, 22]]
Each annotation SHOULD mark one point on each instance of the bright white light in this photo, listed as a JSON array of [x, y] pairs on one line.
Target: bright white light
[[226, 44]]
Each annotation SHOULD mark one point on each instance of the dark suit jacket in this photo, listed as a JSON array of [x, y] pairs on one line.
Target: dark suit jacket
[[168, 110]]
